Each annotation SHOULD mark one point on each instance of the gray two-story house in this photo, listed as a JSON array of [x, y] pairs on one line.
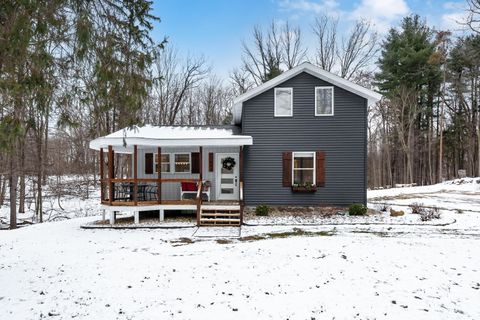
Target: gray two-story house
[[299, 139], [309, 127]]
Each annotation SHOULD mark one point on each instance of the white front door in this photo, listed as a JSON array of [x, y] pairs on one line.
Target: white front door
[[227, 165]]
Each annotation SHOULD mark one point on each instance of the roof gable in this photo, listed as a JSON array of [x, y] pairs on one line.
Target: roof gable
[[309, 68]]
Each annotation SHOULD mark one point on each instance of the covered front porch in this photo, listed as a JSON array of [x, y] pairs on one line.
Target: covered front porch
[[196, 169]]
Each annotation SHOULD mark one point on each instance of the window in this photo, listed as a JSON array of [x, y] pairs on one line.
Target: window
[[182, 162], [165, 162], [324, 101], [283, 102], [303, 168]]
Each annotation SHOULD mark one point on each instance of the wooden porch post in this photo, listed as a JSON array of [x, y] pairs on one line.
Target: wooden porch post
[[159, 175], [102, 191], [200, 186], [201, 163], [135, 175], [240, 194], [111, 173]]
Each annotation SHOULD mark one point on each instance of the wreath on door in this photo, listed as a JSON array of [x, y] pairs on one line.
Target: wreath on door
[[228, 163]]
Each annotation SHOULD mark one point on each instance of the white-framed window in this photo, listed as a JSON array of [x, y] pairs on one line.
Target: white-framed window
[[182, 162], [303, 168], [165, 163], [323, 101], [283, 102]]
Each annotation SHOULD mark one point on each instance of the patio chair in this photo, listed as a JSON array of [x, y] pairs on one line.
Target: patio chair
[[191, 188]]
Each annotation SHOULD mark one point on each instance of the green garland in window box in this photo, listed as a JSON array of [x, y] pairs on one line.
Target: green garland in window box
[[304, 188]]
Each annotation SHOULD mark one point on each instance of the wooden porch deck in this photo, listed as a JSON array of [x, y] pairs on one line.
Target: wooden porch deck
[[211, 213], [143, 194]]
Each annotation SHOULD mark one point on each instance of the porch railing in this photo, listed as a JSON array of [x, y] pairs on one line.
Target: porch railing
[[131, 192], [241, 202], [199, 201]]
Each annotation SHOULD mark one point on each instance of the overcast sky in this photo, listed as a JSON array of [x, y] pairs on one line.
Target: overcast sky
[[216, 28]]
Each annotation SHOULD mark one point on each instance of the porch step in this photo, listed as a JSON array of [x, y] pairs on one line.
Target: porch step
[[220, 220], [207, 207], [214, 214], [220, 216]]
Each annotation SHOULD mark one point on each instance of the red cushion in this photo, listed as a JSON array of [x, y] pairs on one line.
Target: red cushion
[[189, 186]]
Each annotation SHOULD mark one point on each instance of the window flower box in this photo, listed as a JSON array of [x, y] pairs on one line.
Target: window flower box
[[304, 188]]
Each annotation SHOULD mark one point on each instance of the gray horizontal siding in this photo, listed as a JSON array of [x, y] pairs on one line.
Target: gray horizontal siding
[[342, 136]]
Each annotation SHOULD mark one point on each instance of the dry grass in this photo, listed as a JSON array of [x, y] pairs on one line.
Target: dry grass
[[182, 241], [296, 211], [296, 232]]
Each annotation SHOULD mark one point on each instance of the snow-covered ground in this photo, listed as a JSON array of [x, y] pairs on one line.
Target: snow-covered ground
[[460, 194], [61, 271], [64, 197], [344, 271]]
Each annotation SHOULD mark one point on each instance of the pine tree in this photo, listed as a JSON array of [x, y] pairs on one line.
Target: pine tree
[[410, 77]]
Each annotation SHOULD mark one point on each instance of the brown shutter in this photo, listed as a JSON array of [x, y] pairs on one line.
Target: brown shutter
[[210, 162], [320, 167], [148, 163], [195, 162], [287, 169]]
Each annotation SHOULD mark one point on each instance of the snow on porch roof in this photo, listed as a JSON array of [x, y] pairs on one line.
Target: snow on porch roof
[[168, 136]]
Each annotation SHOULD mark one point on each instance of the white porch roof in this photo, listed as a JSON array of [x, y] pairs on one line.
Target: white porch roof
[[168, 136]]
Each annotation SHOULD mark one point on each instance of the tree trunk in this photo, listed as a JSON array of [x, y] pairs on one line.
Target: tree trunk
[[410, 155], [40, 174], [13, 192], [39, 200], [21, 203], [3, 187], [430, 151], [45, 147]]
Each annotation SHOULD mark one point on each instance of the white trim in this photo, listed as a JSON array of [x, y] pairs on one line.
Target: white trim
[[162, 207], [155, 155], [275, 102], [118, 143], [333, 101], [189, 162], [149, 207], [218, 179], [315, 71], [314, 165], [148, 136]]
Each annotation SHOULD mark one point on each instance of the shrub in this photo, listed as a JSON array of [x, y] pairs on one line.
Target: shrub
[[262, 210], [416, 207], [430, 214], [357, 210]]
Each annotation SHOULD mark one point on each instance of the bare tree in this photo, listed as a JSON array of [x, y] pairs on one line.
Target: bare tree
[[262, 60], [240, 81], [273, 50], [214, 100], [179, 76], [473, 15], [294, 52], [357, 49], [351, 55], [403, 113], [325, 29]]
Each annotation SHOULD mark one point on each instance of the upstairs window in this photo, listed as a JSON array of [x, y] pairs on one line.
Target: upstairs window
[[324, 101], [283, 102], [303, 168]]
